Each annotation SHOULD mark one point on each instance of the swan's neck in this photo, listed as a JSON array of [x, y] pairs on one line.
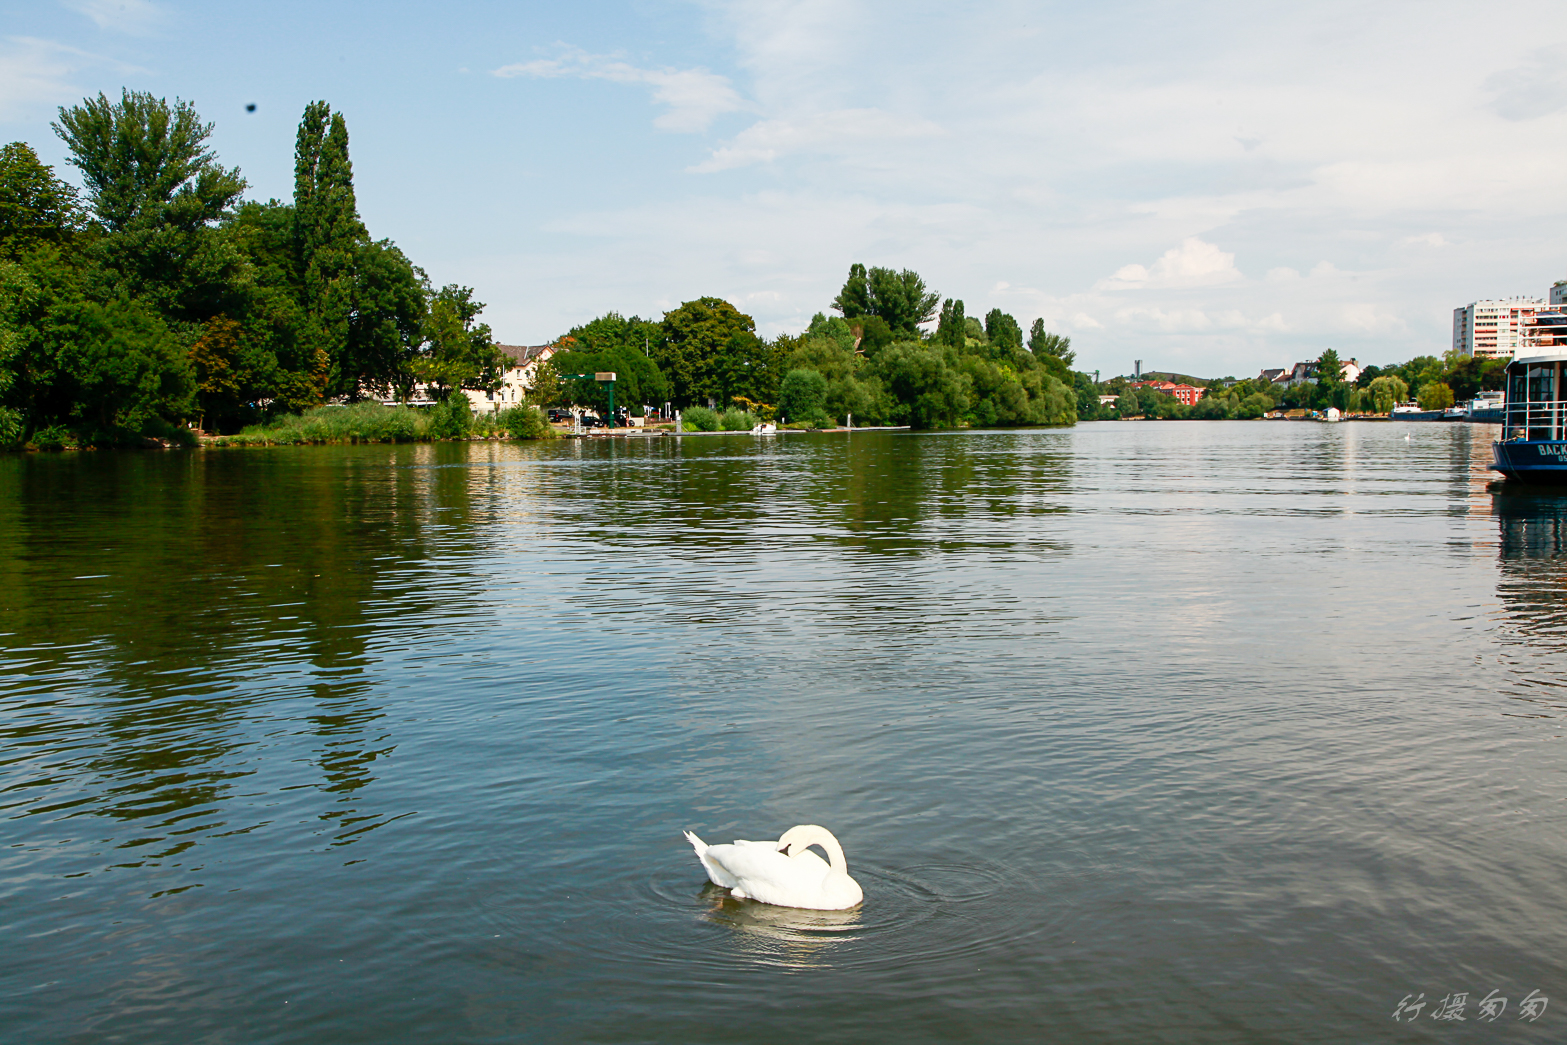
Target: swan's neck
[[824, 838], [835, 858]]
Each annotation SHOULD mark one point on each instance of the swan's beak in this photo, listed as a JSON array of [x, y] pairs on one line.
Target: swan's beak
[[784, 849]]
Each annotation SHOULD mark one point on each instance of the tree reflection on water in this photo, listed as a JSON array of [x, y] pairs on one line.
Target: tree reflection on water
[[181, 633]]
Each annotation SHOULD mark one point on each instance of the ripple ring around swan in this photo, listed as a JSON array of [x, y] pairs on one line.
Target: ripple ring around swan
[[912, 915]]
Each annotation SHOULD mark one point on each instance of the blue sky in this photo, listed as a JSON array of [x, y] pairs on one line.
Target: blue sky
[[1208, 187]]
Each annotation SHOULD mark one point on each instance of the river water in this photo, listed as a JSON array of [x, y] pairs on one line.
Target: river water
[[1135, 732]]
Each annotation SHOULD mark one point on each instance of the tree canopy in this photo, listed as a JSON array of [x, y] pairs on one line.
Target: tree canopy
[[158, 295], [899, 299]]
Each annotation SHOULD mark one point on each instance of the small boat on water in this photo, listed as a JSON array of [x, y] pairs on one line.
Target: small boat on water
[[1533, 446], [1487, 408], [1411, 411]]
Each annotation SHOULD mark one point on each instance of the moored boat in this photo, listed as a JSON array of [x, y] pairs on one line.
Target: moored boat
[[1411, 411], [1487, 408], [1533, 446]]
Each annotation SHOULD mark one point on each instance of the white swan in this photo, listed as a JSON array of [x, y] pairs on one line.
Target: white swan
[[784, 873]]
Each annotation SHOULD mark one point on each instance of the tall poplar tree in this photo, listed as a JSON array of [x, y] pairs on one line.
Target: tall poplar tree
[[327, 237], [364, 302]]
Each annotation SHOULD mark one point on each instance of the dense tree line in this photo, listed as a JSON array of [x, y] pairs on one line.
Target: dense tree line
[[157, 296], [872, 361]]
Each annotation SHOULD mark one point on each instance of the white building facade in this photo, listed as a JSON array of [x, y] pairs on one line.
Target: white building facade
[[523, 363], [1493, 329]]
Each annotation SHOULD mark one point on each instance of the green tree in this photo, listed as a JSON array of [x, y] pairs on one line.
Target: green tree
[[952, 328], [900, 299], [458, 352], [547, 388], [35, 206], [748, 367], [696, 336], [612, 330], [927, 387], [1043, 343], [1435, 395], [801, 397], [1253, 406], [276, 362], [159, 192], [638, 380], [109, 370], [838, 331], [215, 361], [1331, 390], [872, 334], [389, 297], [145, 163], [1471, 375], [1387, 392], [855, 297], [1003, 333], [329, 239], [16, 291]]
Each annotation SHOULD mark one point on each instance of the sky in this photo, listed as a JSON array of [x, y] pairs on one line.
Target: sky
[[1209, 187]]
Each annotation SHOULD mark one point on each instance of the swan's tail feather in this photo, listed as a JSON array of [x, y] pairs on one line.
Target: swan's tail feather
[[696, 843]]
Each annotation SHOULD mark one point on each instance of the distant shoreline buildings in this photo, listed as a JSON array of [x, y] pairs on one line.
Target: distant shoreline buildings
[[1498, 328]]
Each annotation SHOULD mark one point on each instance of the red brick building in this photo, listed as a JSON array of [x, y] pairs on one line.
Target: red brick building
[[1185, 394]]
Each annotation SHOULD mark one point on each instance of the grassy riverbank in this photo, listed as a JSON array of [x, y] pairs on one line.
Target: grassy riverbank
[[374, 423]]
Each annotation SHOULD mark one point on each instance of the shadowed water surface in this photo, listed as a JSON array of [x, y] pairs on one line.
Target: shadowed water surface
[[1220, 732]]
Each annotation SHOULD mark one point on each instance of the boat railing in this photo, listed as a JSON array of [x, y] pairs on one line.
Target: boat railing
[[1535, 420]]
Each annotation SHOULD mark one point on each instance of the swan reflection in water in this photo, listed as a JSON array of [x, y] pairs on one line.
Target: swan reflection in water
[[788, 936]]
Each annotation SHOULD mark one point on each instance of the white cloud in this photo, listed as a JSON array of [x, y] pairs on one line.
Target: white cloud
[[132, 17], [1192, 264], [693, 96], [844, 132], [37, 75], [1536, 88], [1175, 321], [1371, 318], [1323, 150]]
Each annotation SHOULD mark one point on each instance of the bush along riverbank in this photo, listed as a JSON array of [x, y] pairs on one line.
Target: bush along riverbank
[[374, 423]]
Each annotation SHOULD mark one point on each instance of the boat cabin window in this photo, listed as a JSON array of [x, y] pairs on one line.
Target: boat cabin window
[[1534, 406]]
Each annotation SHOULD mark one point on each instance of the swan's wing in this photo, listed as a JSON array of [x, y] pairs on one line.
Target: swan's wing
[[769, 876], [765, 845], [750, 864]]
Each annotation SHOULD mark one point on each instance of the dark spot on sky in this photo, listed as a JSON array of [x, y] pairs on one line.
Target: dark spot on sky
[[251, 107]]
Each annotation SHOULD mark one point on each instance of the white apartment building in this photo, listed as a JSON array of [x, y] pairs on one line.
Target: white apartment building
[[1492, 328], [1559, 293]]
